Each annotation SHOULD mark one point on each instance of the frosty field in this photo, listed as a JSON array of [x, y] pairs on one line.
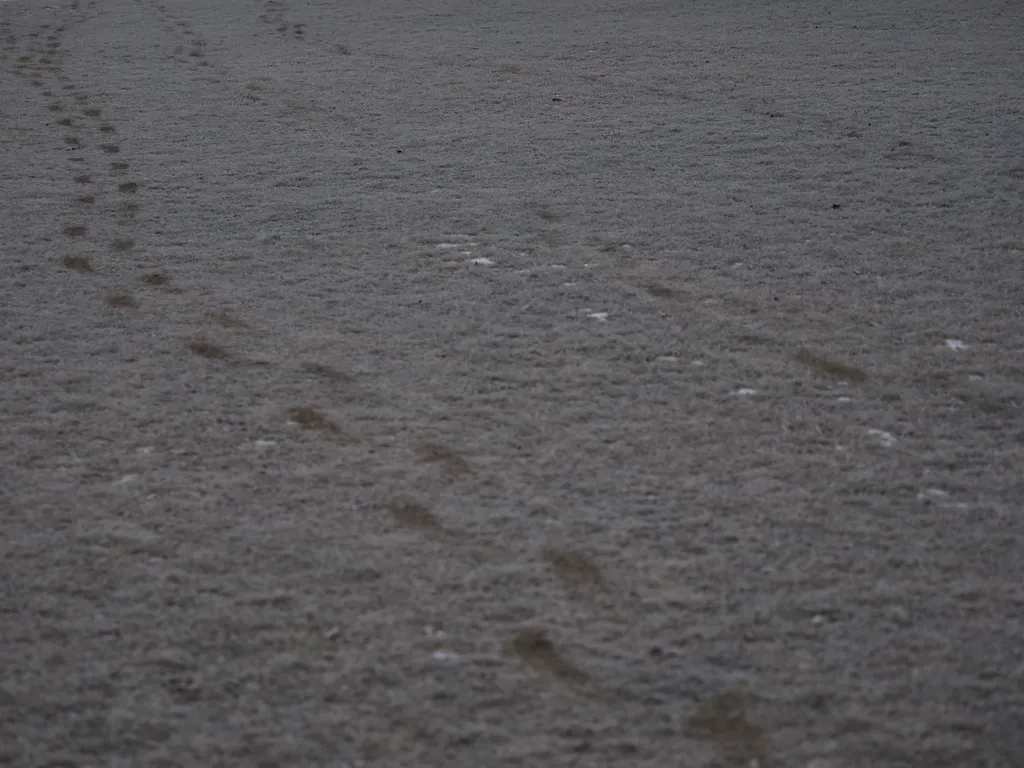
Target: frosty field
[[544, 384]]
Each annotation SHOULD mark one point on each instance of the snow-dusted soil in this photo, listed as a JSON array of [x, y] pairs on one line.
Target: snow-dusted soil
[[538, 383]]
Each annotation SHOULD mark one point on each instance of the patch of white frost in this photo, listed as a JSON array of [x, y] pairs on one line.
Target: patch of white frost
[[887, 439]]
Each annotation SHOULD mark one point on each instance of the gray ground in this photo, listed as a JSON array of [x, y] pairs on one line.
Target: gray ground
[[533, 383]]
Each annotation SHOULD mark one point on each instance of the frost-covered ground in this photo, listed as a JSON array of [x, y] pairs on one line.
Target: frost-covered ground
[[511, 383]]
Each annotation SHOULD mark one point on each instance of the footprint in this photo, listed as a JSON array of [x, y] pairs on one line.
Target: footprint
[[92, 112], [224, 320], [723, 721], [660, 291], [77, 263], [310, 418], [450, 461], [74, 230], [536, 650], [575, 569], [156, 278], [128, 188], [119, 167], [122, 244], [415, 516], [121, 301], [831, 368], [111, 149], [326, 372], [208, 349]]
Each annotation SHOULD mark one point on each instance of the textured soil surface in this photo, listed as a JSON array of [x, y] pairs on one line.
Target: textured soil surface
[[536, 383]]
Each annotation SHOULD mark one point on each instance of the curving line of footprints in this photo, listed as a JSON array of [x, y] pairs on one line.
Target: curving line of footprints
[[274, 15], [96, 165], [195, 53], [93, 161]]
